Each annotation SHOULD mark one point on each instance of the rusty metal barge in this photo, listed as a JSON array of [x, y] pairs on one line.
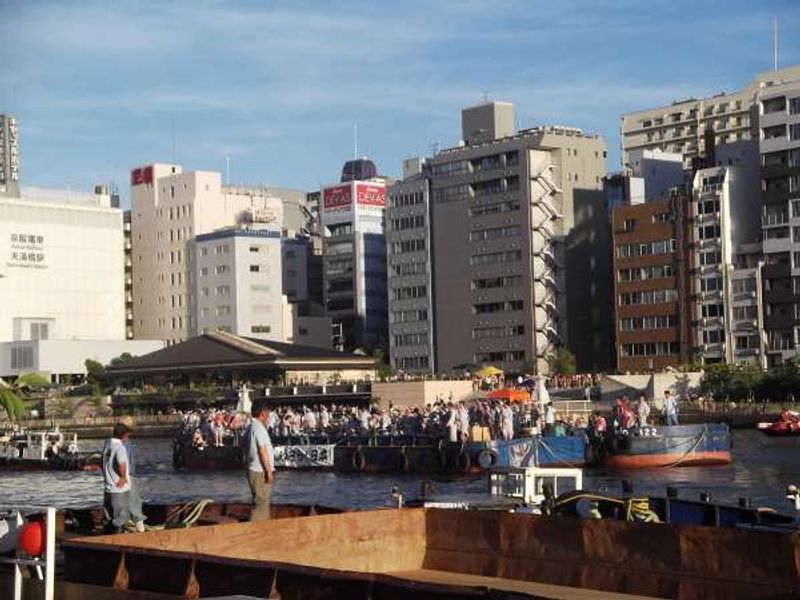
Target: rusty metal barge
[[430, 553]]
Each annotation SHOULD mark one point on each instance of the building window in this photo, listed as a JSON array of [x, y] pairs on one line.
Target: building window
[[260, 329], [254, 248], [254, 268], [220, 269], [22, 357], [223, 290]]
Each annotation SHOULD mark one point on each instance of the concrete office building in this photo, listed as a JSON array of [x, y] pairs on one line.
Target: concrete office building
[[779, 147], [236, 278], [652, 312], [688, 127], [409, 267], [354, 259], [62, 291], [518, 240], [9, 157], [168, 209]]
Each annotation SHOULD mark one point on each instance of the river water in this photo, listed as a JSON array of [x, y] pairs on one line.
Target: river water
[[762, 468]]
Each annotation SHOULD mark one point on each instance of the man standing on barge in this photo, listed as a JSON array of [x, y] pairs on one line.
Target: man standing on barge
[[259, 457]]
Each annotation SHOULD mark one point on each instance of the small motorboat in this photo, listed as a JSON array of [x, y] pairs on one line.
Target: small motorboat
[[787, 424]]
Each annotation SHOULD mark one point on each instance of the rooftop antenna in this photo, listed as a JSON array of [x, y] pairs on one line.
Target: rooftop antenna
[[775, 43], [174, 159], [355, 141], [227, 169], [485, 95]]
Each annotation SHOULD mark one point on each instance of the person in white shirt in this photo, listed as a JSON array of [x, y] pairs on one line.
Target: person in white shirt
[[116, 480], [507, 422], [259, 462], [670, 408], [643, 410], [451, 423], [549, 419], [463, 421]]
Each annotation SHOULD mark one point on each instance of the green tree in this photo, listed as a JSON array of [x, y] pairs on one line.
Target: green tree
[[11, 402], [95, 372], [563, 362], [121, 359], [746, 380], [717, 380]]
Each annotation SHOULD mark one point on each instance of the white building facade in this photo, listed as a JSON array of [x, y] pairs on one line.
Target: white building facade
[[62, 294], [237, 280], [168, 209], [61, 267]]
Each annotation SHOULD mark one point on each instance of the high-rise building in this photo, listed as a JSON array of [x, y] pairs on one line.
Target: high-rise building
[[690, 127], [779, 147], [354, 259], [409, 270], [169, 208], [9, 157], [725, 243], [652, 305], [514, 243]]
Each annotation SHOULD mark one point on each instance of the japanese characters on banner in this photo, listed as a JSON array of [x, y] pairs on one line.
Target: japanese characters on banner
[[27, 251], [304, 457]]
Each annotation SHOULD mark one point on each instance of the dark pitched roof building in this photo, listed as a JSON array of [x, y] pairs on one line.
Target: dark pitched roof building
[[224, 352]]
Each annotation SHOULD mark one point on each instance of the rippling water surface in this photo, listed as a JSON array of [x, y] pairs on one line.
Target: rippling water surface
[[762, 468]]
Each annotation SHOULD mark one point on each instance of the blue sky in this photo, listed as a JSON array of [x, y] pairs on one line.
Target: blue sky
[[99, 86]]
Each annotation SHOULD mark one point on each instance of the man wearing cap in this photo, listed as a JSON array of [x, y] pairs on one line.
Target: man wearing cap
[[136, 513], [116, 480]]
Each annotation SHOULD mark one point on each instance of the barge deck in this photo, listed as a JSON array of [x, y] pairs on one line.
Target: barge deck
[[429, 553]]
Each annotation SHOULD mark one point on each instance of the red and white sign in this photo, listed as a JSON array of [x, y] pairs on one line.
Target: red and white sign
[[142, 175], [337, 198], [370, 195]]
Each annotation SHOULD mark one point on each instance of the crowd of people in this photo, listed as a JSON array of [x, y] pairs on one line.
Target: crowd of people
[[626, 415], [444, 419]]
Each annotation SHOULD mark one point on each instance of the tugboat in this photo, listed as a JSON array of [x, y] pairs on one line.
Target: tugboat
[[664, 446]]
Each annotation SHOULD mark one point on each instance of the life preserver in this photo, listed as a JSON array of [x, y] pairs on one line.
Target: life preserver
[[359, 461], [487, 459]]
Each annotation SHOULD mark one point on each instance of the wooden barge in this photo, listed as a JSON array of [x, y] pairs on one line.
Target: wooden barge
[[429, 553]]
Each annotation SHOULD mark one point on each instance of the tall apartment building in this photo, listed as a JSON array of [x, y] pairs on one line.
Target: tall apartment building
[[779, 147], [514, 246], [169, 208], [354, 259], [725, 248], [409, 270], [689, 127], [9, 157], [652, 312]]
